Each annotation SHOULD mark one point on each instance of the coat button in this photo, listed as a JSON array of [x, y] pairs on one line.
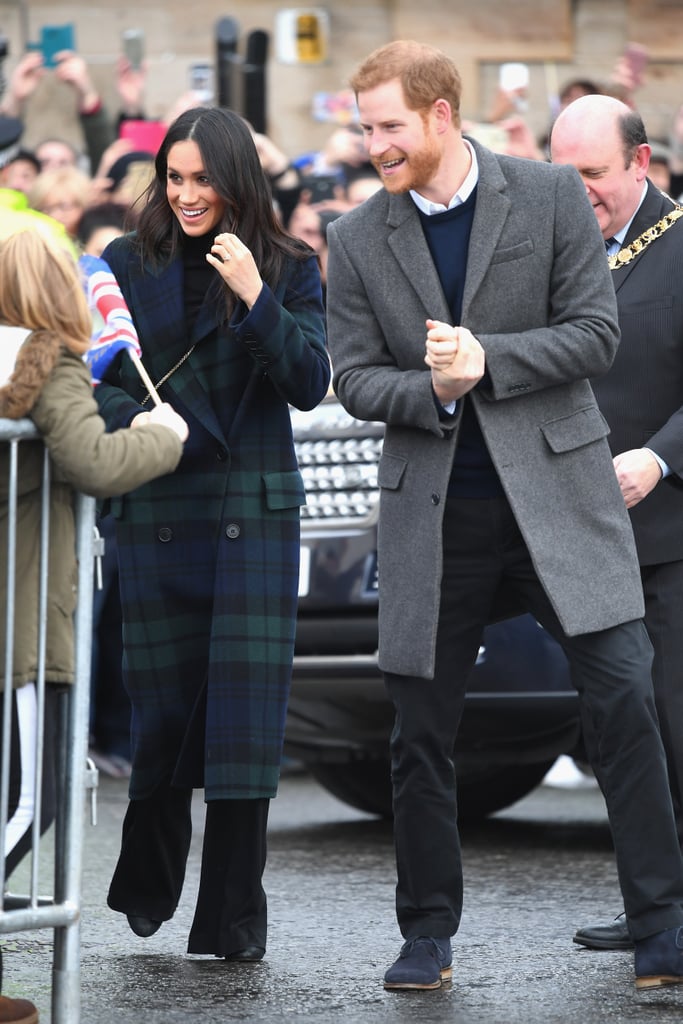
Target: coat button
[[222, 454], [232, 531], [436, 498], [165, 534]]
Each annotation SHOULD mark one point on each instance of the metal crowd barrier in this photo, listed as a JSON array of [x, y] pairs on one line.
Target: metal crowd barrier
[[62, 910]]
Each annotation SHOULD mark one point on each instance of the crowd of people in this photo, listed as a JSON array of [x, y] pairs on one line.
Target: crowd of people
[[243, 256], [109, 173]]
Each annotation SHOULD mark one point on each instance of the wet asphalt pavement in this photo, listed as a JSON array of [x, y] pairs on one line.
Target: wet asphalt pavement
[[533, 874]]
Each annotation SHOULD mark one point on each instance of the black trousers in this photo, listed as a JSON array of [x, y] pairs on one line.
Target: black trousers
[[484, 556], [663, 592], [231, 911]]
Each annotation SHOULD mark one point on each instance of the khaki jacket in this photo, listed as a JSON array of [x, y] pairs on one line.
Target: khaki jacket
[[83, 457]]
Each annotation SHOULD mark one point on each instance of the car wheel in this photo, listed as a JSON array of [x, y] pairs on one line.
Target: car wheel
[[366, 785]]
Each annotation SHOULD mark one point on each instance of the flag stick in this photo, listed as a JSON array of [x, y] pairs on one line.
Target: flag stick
[[146, 379]]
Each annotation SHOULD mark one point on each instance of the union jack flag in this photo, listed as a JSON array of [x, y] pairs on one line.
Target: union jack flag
[[108, 306]]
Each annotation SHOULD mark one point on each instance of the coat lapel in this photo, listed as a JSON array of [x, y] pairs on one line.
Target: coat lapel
[[412, 253], [409, 246], [158, 298], [490, 213]]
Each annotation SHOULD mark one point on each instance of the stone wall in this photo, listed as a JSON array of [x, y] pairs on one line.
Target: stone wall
[[559, 39]]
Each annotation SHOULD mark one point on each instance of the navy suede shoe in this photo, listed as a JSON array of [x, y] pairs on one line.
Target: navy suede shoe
[[423, 963], [659, 959]]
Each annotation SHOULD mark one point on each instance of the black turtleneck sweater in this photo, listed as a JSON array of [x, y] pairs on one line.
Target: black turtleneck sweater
[[199, 275]]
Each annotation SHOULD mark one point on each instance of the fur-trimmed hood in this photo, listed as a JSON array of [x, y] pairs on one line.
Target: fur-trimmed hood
[[27, 358]]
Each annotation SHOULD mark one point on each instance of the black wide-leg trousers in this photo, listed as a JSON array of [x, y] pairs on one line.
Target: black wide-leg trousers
[[485, 556], [231, 910]]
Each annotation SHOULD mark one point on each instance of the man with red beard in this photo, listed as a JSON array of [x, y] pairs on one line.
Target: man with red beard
[[469, 304]]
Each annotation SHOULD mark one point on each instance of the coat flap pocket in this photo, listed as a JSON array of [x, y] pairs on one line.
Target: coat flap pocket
[[284, 490], [390, 471], [574, 431]]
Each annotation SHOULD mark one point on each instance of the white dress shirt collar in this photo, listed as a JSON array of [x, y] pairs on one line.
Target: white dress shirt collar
[[620, 235], [463, 193]]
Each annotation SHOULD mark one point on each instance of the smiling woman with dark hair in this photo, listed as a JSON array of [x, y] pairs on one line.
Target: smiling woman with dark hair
[[229, 314]]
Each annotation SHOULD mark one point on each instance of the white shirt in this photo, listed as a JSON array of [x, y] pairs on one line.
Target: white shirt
[[462, 195]]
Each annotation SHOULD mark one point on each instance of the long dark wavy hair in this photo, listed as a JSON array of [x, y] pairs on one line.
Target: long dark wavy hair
[[232, 165]]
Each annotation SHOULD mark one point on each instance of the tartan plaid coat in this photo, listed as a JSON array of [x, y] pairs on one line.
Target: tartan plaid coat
[[209, 555]]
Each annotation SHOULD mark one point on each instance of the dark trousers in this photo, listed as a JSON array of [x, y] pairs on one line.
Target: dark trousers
[[663, 592], [109, 703], [484, 556], [231, 910]]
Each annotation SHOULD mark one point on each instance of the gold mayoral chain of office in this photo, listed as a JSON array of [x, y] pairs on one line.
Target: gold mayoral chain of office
[[639, 244]]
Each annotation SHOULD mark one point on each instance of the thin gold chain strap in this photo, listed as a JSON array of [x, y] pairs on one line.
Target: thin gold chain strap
[[170, 373]]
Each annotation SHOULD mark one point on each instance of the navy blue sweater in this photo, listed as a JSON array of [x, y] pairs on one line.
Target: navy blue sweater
[[448, 238]]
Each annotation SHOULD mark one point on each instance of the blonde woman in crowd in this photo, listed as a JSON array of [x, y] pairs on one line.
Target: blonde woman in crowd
[[62, 193], [45, 328]]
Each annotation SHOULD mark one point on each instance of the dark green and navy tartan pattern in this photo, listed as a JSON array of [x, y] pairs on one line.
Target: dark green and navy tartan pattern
[[209, 556]]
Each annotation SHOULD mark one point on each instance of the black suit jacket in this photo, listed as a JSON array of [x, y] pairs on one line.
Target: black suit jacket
[[641, 396]]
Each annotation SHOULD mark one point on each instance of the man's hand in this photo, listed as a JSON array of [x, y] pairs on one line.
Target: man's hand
[[456, 359], [638, 472]]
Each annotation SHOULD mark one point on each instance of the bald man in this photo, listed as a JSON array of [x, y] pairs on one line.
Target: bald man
[[641, 396]]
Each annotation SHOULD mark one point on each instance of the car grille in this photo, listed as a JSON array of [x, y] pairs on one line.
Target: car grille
[[338, 458]]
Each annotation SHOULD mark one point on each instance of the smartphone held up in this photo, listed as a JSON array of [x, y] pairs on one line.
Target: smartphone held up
[[53, 40], [133, 43]]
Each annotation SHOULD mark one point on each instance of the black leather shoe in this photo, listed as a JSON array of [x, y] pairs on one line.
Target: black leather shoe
[[606, 936], [248, 955], [143, 926]]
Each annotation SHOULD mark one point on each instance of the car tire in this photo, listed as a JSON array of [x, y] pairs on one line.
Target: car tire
[[366, 785]]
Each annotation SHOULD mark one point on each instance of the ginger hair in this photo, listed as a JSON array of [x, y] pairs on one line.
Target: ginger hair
[[425, 73]]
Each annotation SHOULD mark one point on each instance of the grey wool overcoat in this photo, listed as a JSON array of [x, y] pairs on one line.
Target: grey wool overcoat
[[209, 556], [539, 298]]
